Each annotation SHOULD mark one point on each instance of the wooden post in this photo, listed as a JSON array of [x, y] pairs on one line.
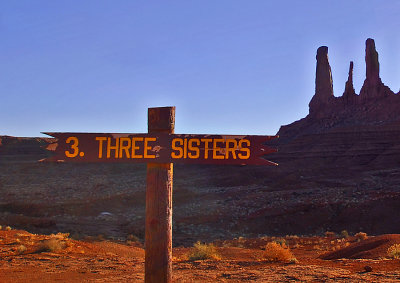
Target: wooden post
[[158, 239]]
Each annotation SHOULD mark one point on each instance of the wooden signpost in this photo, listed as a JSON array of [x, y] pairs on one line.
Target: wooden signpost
[[160, 148]]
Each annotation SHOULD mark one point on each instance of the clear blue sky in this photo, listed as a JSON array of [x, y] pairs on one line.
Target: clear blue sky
[[230, 67]]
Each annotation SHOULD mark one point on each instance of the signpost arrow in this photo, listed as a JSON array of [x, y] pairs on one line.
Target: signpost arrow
[[160, 148]]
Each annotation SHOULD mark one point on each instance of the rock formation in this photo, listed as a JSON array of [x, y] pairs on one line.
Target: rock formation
[[325, 104], [373, 86], [323, 84], [376, 103], [349, 95], [372, 61]]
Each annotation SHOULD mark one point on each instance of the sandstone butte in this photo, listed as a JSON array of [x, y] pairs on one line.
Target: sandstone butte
[[375, 104]]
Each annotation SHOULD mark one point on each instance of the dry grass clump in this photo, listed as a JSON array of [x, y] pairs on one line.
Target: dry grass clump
[[241, 242], [361, 236], [330, 235], [293, 261], [278, 253], [77, 236], [344, 234], [281, 241], [98, 238], [291, 237], [132, 239], [60, 235], [21, 249], [394, 251], [203, 251], [51, 245], [226, 244], [297, 245]]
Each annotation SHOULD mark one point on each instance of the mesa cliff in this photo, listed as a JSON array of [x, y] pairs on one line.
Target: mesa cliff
[[376, 103]]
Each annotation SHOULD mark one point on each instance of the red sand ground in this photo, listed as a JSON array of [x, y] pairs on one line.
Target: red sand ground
[[242, 261]]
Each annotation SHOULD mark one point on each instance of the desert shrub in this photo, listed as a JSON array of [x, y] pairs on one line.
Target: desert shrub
[[293, 260], [100, 237], [295, 246], [1, 227], [21, 249], [344, 234], [361, 236], [60, 235], [329, 234], [8, 228], [337, 247], [132, 238], [291, 237], [241, 242], [281, 241], [276, 252], [394, 251], [77, 236], [316, 247], [203, 251], [20, 235], [51, 245]]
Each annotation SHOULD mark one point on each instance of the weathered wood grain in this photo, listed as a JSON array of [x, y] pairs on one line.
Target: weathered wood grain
[[158, 238]]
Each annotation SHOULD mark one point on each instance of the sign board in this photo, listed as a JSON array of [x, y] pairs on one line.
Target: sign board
[[160, 148]]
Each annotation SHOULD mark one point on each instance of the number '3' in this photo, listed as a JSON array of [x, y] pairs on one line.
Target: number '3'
[[74, 146]]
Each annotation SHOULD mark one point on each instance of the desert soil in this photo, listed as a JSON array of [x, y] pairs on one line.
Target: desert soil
[[241, 260]]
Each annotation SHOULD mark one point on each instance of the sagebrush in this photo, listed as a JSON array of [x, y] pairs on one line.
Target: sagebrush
[[394, 251], [203, 251], [361, 236], [52, 245], [277, 252]]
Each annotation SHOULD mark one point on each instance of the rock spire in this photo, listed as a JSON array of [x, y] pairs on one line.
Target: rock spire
[[373, 87], [372, 62], [376, 105], [323, 83], [324, 104], [323, 79], [349, 94]]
